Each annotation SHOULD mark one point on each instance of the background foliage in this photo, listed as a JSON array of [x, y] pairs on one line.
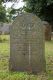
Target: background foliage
[[41, 8]]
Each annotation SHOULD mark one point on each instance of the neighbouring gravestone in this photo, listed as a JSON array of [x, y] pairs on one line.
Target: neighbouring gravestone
[[5, 28], [27, 44], [47, 30]]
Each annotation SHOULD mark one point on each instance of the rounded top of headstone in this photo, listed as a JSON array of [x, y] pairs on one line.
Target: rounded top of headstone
[[29, 17]]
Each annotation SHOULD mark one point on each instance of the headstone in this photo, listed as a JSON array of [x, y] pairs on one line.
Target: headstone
[[5, 28], [27, 44], [47, 30]]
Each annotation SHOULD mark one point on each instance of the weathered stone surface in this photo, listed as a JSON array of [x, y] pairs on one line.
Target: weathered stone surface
[[27, 44]]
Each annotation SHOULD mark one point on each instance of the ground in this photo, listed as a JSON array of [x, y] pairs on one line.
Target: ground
[[5, 74]]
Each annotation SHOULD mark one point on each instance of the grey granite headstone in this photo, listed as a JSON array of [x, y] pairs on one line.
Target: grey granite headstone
[[27, 44]]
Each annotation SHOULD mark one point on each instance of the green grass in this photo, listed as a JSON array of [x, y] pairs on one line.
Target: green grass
[[49, 58], [4, 63]]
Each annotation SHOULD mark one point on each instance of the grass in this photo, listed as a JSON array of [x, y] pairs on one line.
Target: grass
[[49, 59], [4, 63]]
